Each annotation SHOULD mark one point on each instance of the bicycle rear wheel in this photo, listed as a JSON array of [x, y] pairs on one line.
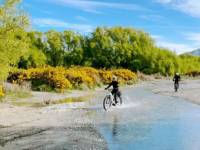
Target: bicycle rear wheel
[[119, 100], [176, 86], [107, 102]]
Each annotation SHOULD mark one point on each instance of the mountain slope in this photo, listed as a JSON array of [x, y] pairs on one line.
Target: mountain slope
[[195, 52]]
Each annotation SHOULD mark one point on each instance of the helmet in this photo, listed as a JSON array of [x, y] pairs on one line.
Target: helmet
[[114, 78], [177, 73]]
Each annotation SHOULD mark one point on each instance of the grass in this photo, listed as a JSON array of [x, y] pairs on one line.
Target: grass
[[1, 99], [49, 103], [17, 95], [14, 96]]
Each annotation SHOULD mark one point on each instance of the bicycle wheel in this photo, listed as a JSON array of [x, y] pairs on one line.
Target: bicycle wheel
[[176, 87], [119, 100], [107, 102]]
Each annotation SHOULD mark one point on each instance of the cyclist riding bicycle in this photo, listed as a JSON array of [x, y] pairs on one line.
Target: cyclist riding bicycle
[[115, 90], [176, 78]]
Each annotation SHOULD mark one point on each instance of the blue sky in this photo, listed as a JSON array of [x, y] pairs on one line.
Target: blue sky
[[174, 24]]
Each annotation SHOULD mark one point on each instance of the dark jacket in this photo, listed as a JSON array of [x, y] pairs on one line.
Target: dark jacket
[[115, 91], [176, 78], [114, 84]]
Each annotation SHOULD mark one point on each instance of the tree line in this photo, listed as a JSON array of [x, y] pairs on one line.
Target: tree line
[[115, 47]]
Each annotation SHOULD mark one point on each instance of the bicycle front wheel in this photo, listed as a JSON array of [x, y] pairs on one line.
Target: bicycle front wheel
[[107, 102]]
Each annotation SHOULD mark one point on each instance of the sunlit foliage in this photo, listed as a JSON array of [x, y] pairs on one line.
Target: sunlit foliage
[[104, 48], [13, 41], [71, 78]]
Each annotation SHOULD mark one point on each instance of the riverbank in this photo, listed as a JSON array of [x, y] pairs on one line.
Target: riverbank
[[31, 128], [48, 126]]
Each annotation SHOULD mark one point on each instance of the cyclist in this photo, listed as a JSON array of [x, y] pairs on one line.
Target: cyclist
[[176, 78], [115, 90]]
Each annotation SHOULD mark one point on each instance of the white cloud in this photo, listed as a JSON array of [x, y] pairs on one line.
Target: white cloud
[[157, 37], [80, 18], [195, 37], [190, 7], [46, 12], [48, 22], [29, 6], [177, 47], [164, 1], [94, 6], [152, 17]]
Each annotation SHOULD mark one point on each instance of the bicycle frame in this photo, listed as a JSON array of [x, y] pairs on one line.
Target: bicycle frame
[[110, 94]]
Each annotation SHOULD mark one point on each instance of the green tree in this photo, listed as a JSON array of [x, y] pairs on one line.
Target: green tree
[[73, 48], [35, 56], [13, 41], [54, 48]]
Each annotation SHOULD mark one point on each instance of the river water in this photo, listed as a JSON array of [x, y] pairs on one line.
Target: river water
[[145, 121], [149, 121]]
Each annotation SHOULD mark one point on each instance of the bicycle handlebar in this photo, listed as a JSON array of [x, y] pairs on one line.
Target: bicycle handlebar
[[109, 90]]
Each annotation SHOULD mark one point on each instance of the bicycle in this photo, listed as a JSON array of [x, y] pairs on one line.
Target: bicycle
[[109, 100], [176, 87]]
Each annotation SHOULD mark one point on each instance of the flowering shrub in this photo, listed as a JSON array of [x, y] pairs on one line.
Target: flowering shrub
[[92, 73], [78, 77], [124, 75], [54, 77], [1, 91], [106, 76], [67, 78]]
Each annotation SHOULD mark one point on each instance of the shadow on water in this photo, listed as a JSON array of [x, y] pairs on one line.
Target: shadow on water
[[115, 127], [121, 135]]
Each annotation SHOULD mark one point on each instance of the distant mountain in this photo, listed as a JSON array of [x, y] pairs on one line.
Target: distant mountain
[[195, 52]]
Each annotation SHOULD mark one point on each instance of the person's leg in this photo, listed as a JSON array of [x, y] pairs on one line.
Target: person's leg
[[176, 82], [115, 98], [176, 85], [115, 95]]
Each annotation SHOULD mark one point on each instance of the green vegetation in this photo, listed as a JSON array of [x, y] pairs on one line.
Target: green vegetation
[[104, 48], [48, 102], [13, 41], [15, 95]]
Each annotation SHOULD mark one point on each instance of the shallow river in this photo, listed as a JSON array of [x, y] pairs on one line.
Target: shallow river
[[145, 121], [149, 121]]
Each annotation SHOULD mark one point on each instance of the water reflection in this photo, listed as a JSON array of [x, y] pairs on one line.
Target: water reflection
[[115, 127]]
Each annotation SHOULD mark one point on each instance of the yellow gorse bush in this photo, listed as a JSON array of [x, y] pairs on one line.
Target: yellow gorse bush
[[124, 74], [68, 78], [106, 76], [1, 91]]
